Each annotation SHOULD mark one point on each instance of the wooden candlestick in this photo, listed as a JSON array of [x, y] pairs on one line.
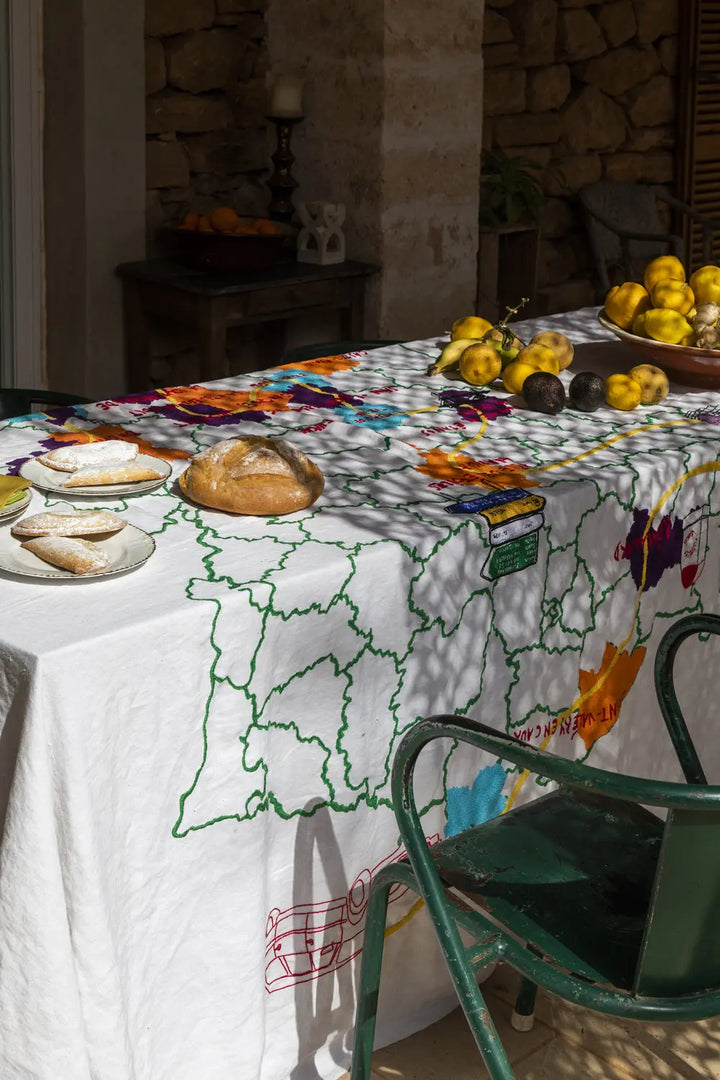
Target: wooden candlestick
[[281, 183]]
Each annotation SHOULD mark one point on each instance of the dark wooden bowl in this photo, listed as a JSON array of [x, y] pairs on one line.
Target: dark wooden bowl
[[234, 253], [683, 363]]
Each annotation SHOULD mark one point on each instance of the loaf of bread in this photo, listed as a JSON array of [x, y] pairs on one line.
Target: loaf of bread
[[68, 553], [114, 472], [253, 475], [98, 452], [71, 523]]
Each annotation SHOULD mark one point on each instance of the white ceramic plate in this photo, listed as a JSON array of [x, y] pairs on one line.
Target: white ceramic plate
[[127, 550], [52, 480], [15, 507]]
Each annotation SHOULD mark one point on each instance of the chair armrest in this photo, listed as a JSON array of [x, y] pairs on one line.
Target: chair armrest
[[571, 774], [688, 210]]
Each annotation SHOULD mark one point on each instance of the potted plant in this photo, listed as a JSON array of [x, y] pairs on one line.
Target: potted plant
[[510, 190]]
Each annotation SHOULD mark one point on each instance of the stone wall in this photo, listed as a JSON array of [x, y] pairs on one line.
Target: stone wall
[[205, 82], [206, 143], [587, 90]]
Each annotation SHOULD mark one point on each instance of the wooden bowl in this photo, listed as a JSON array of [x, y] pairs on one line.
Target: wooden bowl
[[234, 253], [683, 363]]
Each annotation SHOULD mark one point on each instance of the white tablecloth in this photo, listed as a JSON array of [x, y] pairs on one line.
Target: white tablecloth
[[195, 756]]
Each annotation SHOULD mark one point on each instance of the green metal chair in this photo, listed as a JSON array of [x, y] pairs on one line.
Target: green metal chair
[[329, 348], [584, 891], [17, 402]]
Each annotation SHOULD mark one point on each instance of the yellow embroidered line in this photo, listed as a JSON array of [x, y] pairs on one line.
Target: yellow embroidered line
[[406, 918], [609, 442], [709, 466], [468, 442]]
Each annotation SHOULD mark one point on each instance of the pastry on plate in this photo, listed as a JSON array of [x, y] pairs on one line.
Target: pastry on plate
[[114, 472], [253, 475], [98, 452], [69, 523], [68, 553]]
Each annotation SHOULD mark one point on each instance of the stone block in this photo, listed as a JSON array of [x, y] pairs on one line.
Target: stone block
[[165, 17], [578, 36], [154, 213], [569, 295], [240, 5], [654, 168], [166, 164], [248, 101], [239, 19], [653, 102], [655, 19], [534, 28], [250, 24], [230, 151], [173, 110], [548, 87], [653, 138], [528, 130], [504, 91], [569, 174], [155, 72], [501, 55], [202, 60], [620, 69], [667, 50], [183, 195], [539, 154], [593, 121], [557, 217], [557, 262], [496, 29], [618, 21]]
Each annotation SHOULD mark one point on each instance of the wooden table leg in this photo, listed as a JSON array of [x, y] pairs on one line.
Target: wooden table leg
[[137, 338], [212, 335]]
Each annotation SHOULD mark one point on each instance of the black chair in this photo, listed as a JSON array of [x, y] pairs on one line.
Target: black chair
[[19, 402], [329, 348], [625, 231], [583, 891]]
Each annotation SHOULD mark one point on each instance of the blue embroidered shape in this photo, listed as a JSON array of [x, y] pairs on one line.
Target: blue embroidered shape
[[466, 806]]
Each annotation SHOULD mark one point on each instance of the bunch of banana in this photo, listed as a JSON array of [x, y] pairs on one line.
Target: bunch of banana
[[473, 330]]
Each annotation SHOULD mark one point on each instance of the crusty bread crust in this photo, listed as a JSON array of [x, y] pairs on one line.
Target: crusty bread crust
[[253, 475]]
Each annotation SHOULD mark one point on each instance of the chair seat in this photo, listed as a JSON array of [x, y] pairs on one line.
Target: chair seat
[[570, 874]]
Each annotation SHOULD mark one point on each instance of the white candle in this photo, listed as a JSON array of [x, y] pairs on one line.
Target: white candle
[[286, 97]]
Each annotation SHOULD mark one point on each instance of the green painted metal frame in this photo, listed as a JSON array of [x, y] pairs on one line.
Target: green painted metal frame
[[694, 803]]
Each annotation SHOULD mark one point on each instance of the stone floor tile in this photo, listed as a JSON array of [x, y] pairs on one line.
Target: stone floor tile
[[447, 1049]]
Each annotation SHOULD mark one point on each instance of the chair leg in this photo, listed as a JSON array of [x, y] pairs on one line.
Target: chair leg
[[523, 1016], [368, 988]]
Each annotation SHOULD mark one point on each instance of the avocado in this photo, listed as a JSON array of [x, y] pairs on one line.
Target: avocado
[[587, 391], [544, 392]]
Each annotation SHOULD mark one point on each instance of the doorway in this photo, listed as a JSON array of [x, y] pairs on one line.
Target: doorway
[[21, 217]]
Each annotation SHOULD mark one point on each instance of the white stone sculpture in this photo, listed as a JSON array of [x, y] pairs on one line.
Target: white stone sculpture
[[321, 239]]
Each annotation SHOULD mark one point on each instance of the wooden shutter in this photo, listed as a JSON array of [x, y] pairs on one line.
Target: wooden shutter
[[698, 118]]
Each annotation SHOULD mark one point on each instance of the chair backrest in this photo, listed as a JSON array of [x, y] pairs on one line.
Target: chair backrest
[[19, 402], [624, 207], [680, 953]]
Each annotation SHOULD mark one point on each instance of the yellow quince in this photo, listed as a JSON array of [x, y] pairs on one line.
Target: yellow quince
[[676, 295], [625, 302], [665, 266], [664, 324]]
